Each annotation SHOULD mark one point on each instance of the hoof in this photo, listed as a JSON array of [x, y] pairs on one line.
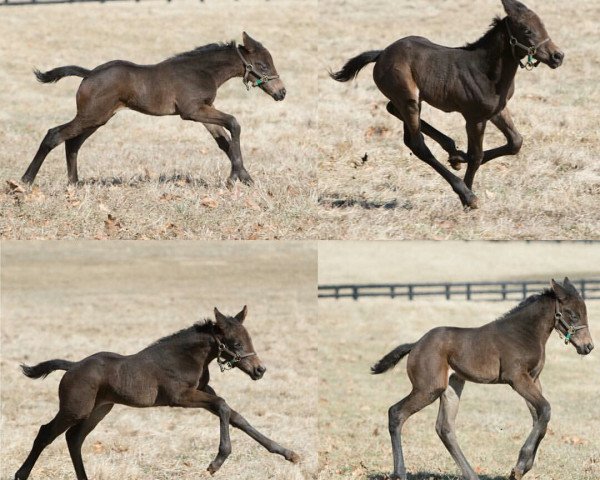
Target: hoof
[[515, 474], [27, 180], [456, 159], [212, 468], [243, 177], [292, 457], [469, 201]]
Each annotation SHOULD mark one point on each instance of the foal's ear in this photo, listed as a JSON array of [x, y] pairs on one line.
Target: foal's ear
[[221, 319], [242, 315], [559, 290], [249, 43], [514, 8]]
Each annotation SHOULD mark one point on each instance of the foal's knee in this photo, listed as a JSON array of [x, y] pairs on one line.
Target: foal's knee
[[544, 413], [234, 128], [515, 143]]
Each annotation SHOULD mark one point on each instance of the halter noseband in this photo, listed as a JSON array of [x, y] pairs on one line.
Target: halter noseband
[[249, 69], [570, 329], [235, 357], [531, 50]]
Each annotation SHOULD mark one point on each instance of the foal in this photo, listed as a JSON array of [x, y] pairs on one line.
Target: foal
[[171, 372], [476, 80], [509, 350], [184, 85]]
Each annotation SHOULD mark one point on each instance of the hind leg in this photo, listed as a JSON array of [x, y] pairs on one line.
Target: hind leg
[[398, 414], [72, 147], [445, 425], [46, 435], [408, 109], [77, 433], [475, 131]]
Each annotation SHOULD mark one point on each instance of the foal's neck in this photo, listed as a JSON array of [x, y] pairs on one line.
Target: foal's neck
[[538, 318], [225, 65], [500, 62]]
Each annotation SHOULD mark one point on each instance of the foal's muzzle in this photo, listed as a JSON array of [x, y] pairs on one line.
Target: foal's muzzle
[[258, 372], [279, 95], [585, 349], [556, 59]]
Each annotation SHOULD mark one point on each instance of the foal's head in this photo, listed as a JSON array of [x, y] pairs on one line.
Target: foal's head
[[574, 314], [529, 31], [236, 339], [264, 73]]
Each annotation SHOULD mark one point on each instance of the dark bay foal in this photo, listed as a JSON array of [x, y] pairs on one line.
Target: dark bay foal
[[184, 85], [171, 372], [510, 350], [476, 80]]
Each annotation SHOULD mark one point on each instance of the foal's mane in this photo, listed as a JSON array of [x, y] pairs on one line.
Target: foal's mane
[[203, 326], [487, 37], [546, 293], [210, 48]]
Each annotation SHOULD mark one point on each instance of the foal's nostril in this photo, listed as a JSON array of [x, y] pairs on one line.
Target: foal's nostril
[[261, 370], [558, 56]]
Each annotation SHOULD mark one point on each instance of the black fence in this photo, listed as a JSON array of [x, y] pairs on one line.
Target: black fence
[[481, 291]]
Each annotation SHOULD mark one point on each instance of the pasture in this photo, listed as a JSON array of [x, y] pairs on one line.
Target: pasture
[[549, 190], [493, 421], [158, 177], [121, 297]]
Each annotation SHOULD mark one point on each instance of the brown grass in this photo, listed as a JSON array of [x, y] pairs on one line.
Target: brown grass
[[492, 423], [549, 190], [71, 299], [158, 177]]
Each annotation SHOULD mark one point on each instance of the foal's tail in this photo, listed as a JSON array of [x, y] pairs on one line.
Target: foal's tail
[[56, 74], [41, 370], [392, 358], [354, 65]]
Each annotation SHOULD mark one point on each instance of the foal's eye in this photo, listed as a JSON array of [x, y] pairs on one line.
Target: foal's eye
[[262, 66], [527, 32], [237, 345]]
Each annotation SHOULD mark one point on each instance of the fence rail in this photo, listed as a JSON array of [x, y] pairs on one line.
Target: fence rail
[[49, 2], [481, 291]]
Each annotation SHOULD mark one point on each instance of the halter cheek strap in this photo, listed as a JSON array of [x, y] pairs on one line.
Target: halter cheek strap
[[530, 50], [249, 69], [570, 328], [235, 357]]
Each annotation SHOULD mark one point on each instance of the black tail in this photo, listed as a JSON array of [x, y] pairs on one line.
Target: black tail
[[41, 370], [392, 358], [354, 65], [56, 74]]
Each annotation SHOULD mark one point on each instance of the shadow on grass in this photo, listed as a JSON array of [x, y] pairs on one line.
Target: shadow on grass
[[428, 476], [329, 202], [135, 180]]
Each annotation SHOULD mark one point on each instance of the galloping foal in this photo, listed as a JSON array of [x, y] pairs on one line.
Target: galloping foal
[[476, 80], [184, 85], [510, 350], [171, 372]]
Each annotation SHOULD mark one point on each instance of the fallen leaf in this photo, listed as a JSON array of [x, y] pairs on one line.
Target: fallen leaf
[[14, 187], [252, 204], [112, 225], [98, 447], [209, 202]]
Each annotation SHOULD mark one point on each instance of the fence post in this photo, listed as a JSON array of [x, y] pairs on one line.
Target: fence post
[[355, 293], [447, 291], [392, 291], [524, 290], [504, 291], [468, 291], [583, 289], [410, 292]]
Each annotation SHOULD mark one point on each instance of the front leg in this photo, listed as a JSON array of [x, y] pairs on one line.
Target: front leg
[[209, 115], [218, 406], [224, 142], [475, 131], [514, 140], [527, 388], [239, 422]]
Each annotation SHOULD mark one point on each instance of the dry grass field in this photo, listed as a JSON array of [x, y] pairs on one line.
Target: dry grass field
[[493, 421], [549, 190], [72, 299], [158, 177]]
